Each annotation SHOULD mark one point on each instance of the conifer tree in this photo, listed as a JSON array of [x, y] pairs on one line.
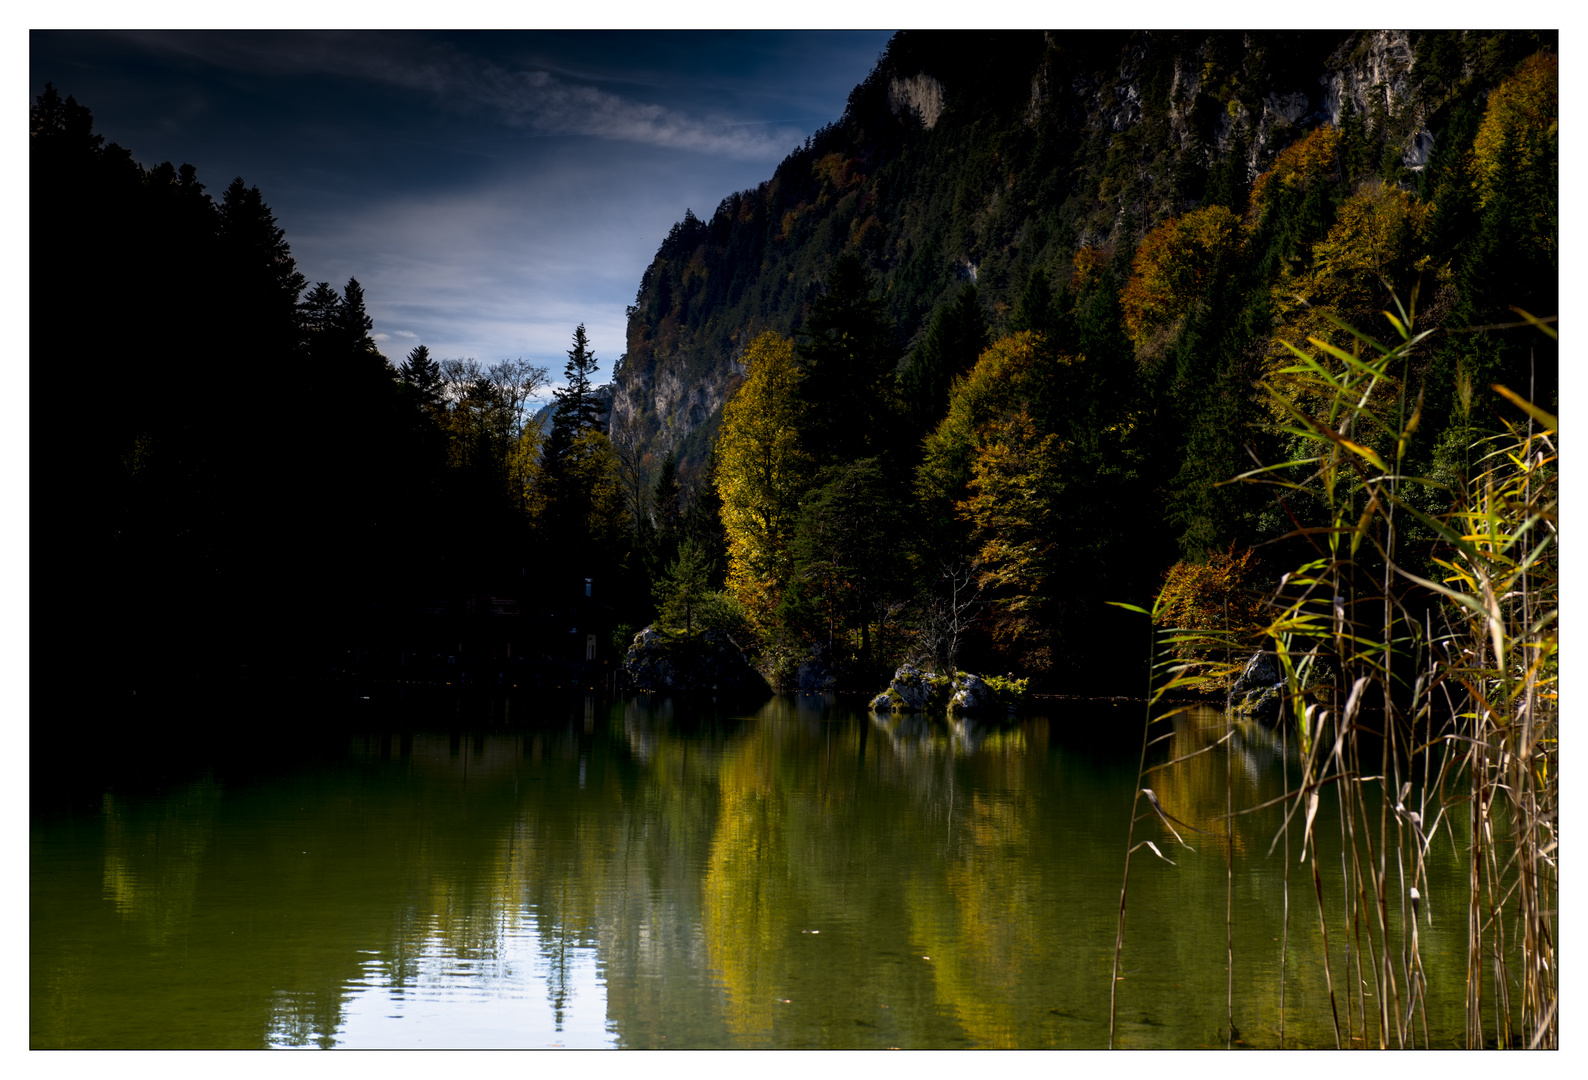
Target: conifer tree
[[665, 504], [847, 354], [702, 521], [1035, 309], [955, 339], [578, 410], [320, 316], [682, 591], [424, 374], [1353, 144], [352, 326]]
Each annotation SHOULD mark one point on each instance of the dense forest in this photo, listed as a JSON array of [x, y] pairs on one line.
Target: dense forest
[[1023, 301], [976, 361]]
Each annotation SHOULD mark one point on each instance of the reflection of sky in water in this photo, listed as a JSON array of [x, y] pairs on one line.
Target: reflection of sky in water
[[506, 1000]]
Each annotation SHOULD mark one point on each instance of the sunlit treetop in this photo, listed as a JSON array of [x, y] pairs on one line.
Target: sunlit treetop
[[1298, 166], [1175, 265], [1522, 117]]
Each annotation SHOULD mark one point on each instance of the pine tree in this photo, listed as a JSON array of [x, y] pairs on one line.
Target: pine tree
[[1227, 181], [578, 410], [847, 353], [955, 339], [680, 594], [665, 504], [1036, 309], [1353, 144], [424, 374], [352, 326], [320, 316], [702, 521]]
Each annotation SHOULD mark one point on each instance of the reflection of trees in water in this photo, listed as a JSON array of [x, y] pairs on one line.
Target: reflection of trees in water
[[154, 853], [1210, 762], [298, 1018], [1192, 777], [775, 880]]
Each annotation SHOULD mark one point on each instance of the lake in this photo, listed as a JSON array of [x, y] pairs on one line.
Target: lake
[[431, 872]]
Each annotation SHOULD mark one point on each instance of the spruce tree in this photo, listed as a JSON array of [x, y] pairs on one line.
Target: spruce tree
[[1036, 309], [1353, 144], [666, 507], [424, 374], [847, 352], [261, 278], [578, 410], [955, 339], [701, 522], [352, 326], [319, 315]]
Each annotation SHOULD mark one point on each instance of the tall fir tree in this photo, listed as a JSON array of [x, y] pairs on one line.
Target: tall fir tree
[[423, 373], [578, 409], [847, 354], [352, 327], [319, 313], [955, 339], [1036, 309]]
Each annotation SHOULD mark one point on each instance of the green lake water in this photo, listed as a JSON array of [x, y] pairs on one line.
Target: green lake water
[[645, 873]]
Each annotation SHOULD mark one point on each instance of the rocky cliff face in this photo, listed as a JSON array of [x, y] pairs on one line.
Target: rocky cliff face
[[981, 157]]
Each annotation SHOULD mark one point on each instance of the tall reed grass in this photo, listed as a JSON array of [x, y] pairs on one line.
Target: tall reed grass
[[1419, 654]]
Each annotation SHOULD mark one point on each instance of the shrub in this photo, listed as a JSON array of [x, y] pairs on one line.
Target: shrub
[[1216, 606]]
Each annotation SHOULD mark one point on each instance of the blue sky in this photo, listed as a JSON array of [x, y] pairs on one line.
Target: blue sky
[[490, 190]]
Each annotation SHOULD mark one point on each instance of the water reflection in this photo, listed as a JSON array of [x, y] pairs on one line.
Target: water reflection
[[656, 873]]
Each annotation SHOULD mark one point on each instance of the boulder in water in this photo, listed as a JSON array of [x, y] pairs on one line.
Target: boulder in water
[[711, 660], [912, 690], [1260, 691], [973, 695]]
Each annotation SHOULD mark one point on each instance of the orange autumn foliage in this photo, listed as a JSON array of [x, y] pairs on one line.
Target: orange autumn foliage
[[1521, 111], [1296, 166], [1175, 265], [1219, 598]]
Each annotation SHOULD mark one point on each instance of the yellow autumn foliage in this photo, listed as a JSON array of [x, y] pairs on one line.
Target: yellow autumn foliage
[[1375, 246], [1296, 166], [1521, 111], [761, 471], [1175, 265]]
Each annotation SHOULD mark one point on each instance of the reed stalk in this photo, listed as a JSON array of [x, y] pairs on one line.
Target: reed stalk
[[1421, 685]]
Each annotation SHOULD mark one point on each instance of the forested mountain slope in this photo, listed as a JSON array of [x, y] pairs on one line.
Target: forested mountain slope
[[978, 363], [982, 156]]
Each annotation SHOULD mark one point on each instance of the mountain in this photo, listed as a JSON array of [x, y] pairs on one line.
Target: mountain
[[983, 156]]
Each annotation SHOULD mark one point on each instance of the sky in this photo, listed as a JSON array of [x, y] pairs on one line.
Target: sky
[[489, 190]]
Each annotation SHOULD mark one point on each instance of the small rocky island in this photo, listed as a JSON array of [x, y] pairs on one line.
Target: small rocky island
[[915, 690]]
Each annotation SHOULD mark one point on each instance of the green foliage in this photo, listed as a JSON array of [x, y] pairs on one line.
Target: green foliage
[[1062, 464], [1036, 309], [957, 336], [1007, 689], [423, 373], [578, 410], [682, 593], [847, 355], [847, 553], [1464, 655]]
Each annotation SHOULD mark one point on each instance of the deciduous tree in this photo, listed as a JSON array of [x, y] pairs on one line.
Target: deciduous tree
[[762, 468]]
